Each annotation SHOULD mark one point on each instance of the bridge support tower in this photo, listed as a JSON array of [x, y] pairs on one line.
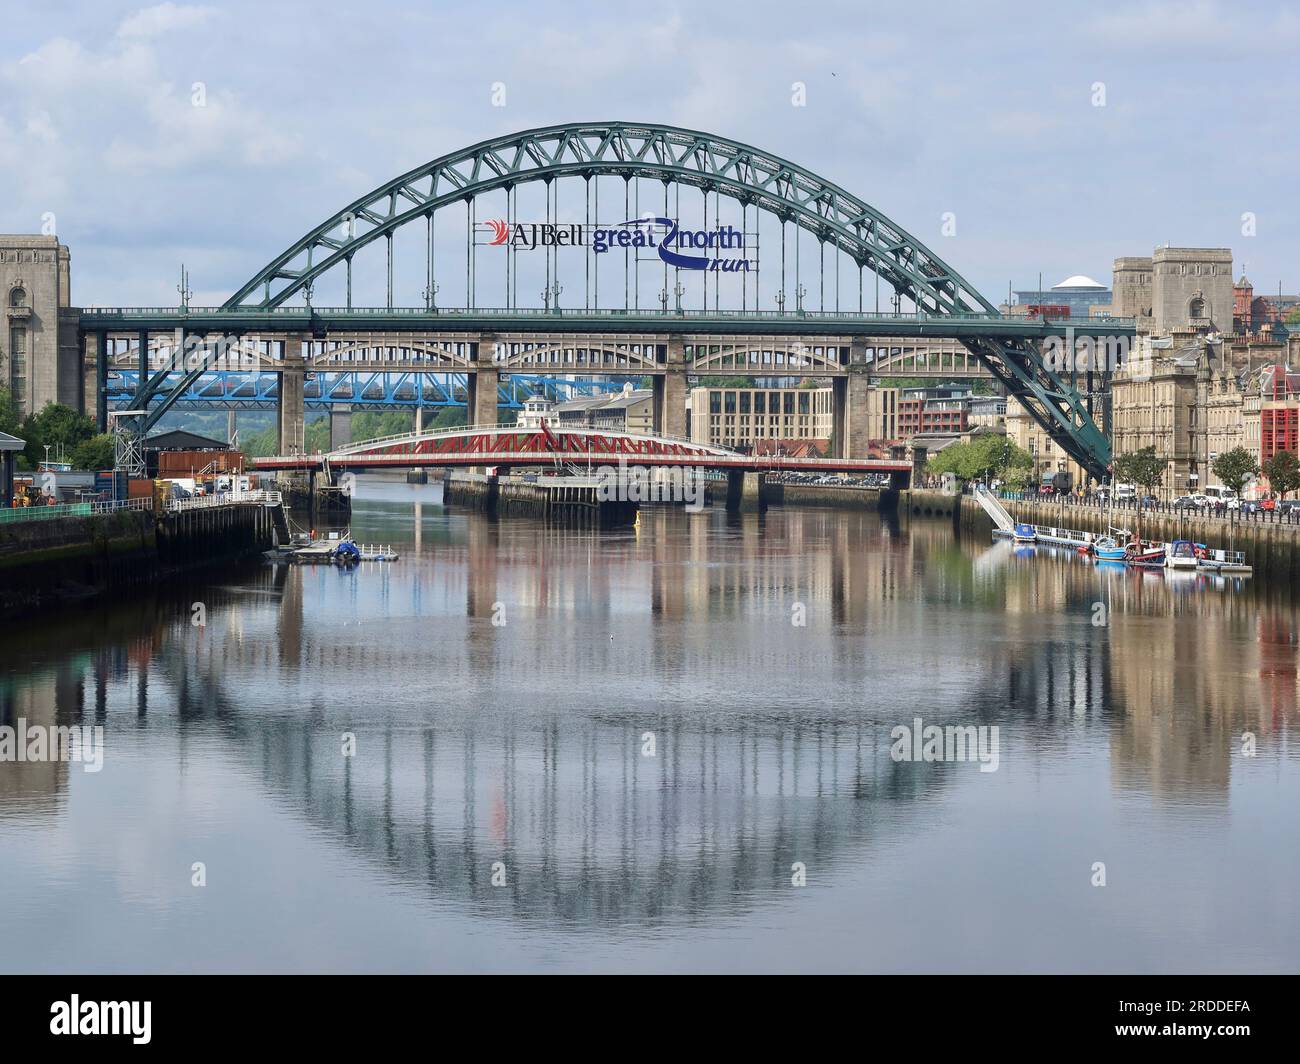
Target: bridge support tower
[[292, 411], [849, 411], [340, 426], [670, 392], [482, 397]]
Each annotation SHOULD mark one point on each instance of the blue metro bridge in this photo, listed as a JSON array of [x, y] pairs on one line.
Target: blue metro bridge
[[661, 252]]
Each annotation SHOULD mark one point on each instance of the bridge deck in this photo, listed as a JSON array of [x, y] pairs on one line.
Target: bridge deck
[[322, 320]]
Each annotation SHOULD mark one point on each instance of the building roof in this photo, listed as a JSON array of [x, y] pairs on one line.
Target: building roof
[[180, 440], [605, 402], [1079, 281], [11, 443]]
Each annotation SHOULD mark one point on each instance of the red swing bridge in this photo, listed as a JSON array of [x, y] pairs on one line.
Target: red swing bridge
[[508, 447]]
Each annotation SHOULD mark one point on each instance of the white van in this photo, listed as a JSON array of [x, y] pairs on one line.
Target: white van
[[1226, 496], [1125, 491]]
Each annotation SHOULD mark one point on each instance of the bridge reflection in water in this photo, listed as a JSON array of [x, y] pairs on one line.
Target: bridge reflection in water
[[523, 743]]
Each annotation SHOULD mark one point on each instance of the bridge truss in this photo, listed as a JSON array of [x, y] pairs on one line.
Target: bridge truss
[[443, 221]]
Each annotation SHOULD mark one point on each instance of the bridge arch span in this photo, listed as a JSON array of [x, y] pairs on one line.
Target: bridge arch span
[[730, 168]]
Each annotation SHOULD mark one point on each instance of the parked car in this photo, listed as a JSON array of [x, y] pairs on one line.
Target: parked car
[[1186, 502]]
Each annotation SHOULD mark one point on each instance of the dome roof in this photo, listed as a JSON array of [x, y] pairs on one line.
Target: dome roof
[[1078, 281]]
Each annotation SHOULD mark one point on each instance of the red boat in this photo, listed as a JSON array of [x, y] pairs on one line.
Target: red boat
[[1145, 554]]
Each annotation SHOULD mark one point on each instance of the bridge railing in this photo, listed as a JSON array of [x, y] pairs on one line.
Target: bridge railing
[[613, 314], [460, 430]]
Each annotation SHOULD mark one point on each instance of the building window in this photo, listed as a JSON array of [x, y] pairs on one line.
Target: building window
[[18, 368], [1197, 309], [18, 297]]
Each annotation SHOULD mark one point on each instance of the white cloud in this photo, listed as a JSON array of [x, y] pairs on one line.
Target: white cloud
[[163, 18]]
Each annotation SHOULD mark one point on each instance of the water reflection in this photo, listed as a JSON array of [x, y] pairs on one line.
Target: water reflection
[[504, 682]]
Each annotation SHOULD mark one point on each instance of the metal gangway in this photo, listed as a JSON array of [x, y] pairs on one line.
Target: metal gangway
[[994, 508]]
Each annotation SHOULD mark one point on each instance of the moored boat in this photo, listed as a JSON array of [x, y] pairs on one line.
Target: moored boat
[[1181, 554], [1025, 534], [1145, 553], [1108, 549]]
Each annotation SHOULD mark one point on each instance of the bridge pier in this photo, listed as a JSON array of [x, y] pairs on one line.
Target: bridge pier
[[670, 392], [292, 420], [746, 492], [849, 398], [340, 427]]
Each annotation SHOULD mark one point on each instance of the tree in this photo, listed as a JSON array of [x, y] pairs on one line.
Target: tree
[[1235, 467], [726, 382], [1283, 472], [983, 458], [55, 425], [1142, 467], [1293, 317], [9, 420], [94, 453]]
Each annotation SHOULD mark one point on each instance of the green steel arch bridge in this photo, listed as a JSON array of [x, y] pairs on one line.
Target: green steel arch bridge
[[649, 250]]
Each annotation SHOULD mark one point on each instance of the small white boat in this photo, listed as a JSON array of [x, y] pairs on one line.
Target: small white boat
[[1181, 554]]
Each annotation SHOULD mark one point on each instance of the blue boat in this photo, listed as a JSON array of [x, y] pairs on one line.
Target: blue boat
[[1025, 534], [1107, 549]]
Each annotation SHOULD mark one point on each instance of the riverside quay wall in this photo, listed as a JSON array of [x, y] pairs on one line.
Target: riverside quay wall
[[835, 496], [1271, 547], [67, 558]]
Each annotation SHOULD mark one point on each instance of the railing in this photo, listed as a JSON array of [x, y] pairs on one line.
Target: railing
[[1287, 516], [610, 313], [72, 509], [362, 446], [264, 498]]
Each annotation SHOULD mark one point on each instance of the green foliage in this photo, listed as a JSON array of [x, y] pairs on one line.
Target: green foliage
[[1283, 472], [726, 382], [55, 425], [1235, 467], [316, 434], [1143, 467], [984, 458], [94, 453], [9, 420], [371, 424], [1292, 317], [905, 382], [449, 417]]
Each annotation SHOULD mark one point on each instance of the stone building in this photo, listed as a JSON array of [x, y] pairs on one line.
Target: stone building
[[1176, 288], [1048, 456], [740, 417], [39, 358], [1182, 395], [631, 410]]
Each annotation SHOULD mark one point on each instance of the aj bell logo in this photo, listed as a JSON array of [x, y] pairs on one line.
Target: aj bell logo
[[665, 235], [102, 1017]]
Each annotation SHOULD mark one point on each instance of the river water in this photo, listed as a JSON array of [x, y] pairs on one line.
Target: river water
[[663, 748]]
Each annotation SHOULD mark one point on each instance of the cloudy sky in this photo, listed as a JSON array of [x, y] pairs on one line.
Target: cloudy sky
[[1060, 136]]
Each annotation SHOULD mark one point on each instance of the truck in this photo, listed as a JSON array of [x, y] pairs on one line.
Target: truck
[[1059, 483]]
